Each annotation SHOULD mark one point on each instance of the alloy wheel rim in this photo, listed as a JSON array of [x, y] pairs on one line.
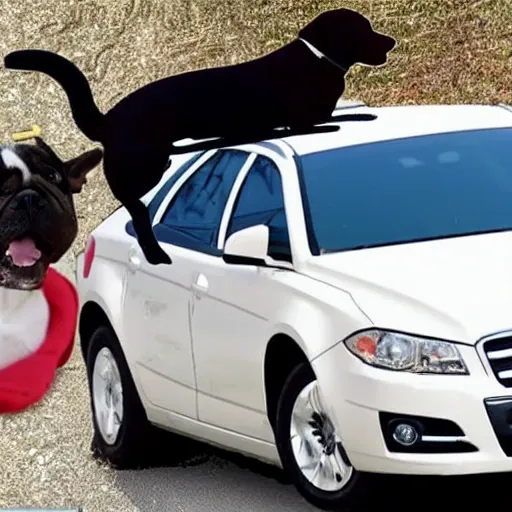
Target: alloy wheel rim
[[315, 444], [107, 390]]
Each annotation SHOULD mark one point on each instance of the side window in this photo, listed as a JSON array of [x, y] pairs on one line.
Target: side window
[[261, 201], [162, 193], [196, 211]]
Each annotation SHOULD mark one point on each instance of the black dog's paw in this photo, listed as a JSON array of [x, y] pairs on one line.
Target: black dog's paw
[[157, 256]]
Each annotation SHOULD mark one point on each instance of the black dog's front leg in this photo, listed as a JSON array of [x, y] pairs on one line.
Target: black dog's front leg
[[146, 238]]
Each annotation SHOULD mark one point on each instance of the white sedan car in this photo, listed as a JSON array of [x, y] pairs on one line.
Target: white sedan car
[[339, 304]]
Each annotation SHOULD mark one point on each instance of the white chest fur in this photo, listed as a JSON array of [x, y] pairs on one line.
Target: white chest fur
[[24, 319]]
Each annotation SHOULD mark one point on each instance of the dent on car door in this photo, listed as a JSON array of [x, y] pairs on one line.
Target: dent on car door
[[158, 297], [230, 322]]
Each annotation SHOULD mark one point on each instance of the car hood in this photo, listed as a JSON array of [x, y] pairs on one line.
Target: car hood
[[458, 289]]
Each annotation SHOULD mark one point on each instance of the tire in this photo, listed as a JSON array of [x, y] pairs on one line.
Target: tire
[[331, 492], [128, 448]]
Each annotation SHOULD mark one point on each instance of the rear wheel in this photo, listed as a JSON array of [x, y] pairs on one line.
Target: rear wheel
[[121, 428], [310, 449]]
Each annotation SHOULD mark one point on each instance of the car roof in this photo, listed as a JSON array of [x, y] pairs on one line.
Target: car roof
[[396, 122]]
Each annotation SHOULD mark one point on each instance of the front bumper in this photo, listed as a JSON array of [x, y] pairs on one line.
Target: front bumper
[[356, 393]]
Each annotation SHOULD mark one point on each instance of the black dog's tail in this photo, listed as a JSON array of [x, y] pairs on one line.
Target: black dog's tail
[[85, 112]]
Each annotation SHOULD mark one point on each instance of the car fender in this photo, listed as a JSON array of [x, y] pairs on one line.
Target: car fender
[[317, 319]]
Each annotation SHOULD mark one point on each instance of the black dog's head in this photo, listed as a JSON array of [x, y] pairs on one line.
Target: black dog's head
[[347, 37], [38, 223]]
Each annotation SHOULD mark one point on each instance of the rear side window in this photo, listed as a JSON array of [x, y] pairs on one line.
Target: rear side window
[[197, 208], [261, 201], [162, 193]]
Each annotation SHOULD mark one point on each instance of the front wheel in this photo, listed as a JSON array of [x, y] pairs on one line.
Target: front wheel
[[310, 449]]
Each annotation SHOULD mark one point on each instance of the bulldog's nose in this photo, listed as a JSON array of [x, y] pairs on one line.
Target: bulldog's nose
[[27, 200]]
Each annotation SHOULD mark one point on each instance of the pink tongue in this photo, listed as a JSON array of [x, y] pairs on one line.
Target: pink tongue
[[24, 253]]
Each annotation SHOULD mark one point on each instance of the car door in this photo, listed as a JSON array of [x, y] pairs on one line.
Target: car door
[[157, 297], [231, 305]]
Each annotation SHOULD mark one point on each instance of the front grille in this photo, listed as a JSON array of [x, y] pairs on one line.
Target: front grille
[[499, 354]]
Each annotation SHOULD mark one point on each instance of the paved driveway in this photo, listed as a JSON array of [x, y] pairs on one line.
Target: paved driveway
[[217, 485]]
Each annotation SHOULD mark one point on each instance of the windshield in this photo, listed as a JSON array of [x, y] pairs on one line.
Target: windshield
[[406, 190]]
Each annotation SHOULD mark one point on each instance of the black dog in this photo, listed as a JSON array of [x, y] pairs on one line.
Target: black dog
[[296, 86]]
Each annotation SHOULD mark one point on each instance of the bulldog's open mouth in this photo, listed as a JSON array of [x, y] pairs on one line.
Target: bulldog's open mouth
[[27, 250], [25, 262], [23, 252]]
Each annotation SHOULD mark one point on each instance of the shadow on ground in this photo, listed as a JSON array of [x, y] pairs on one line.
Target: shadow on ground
[[212, 480]]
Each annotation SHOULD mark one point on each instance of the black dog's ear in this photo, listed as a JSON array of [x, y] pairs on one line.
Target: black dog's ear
[[314, 30], [77, 168]]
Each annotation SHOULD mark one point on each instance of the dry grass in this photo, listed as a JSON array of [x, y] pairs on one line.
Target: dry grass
[[450, 51]]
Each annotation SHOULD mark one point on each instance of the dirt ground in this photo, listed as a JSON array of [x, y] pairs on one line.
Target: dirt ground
[[449, 51]]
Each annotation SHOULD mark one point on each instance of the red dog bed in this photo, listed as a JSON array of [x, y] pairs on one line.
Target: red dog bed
[[25, 382]]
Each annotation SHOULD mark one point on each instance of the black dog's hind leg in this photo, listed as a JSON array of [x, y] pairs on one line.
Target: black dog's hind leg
[[145, 236]]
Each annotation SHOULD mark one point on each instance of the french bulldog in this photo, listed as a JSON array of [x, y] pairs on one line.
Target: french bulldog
[[38, 224], [294, 86]]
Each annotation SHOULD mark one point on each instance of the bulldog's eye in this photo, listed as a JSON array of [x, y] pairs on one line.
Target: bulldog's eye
[[54, 177]]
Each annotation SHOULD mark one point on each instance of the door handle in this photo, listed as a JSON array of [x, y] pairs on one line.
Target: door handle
[[200, 286], [134, 261]]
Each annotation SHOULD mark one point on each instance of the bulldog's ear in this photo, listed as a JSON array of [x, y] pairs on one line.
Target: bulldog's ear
[[77, 168], [41, 144]]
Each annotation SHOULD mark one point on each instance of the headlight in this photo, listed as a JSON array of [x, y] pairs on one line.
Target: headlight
[[402, 352]]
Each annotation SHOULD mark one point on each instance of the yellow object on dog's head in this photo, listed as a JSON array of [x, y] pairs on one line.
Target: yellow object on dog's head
[[30, 134]]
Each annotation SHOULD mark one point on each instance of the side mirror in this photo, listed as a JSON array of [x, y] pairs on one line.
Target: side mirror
[[248, 246]]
